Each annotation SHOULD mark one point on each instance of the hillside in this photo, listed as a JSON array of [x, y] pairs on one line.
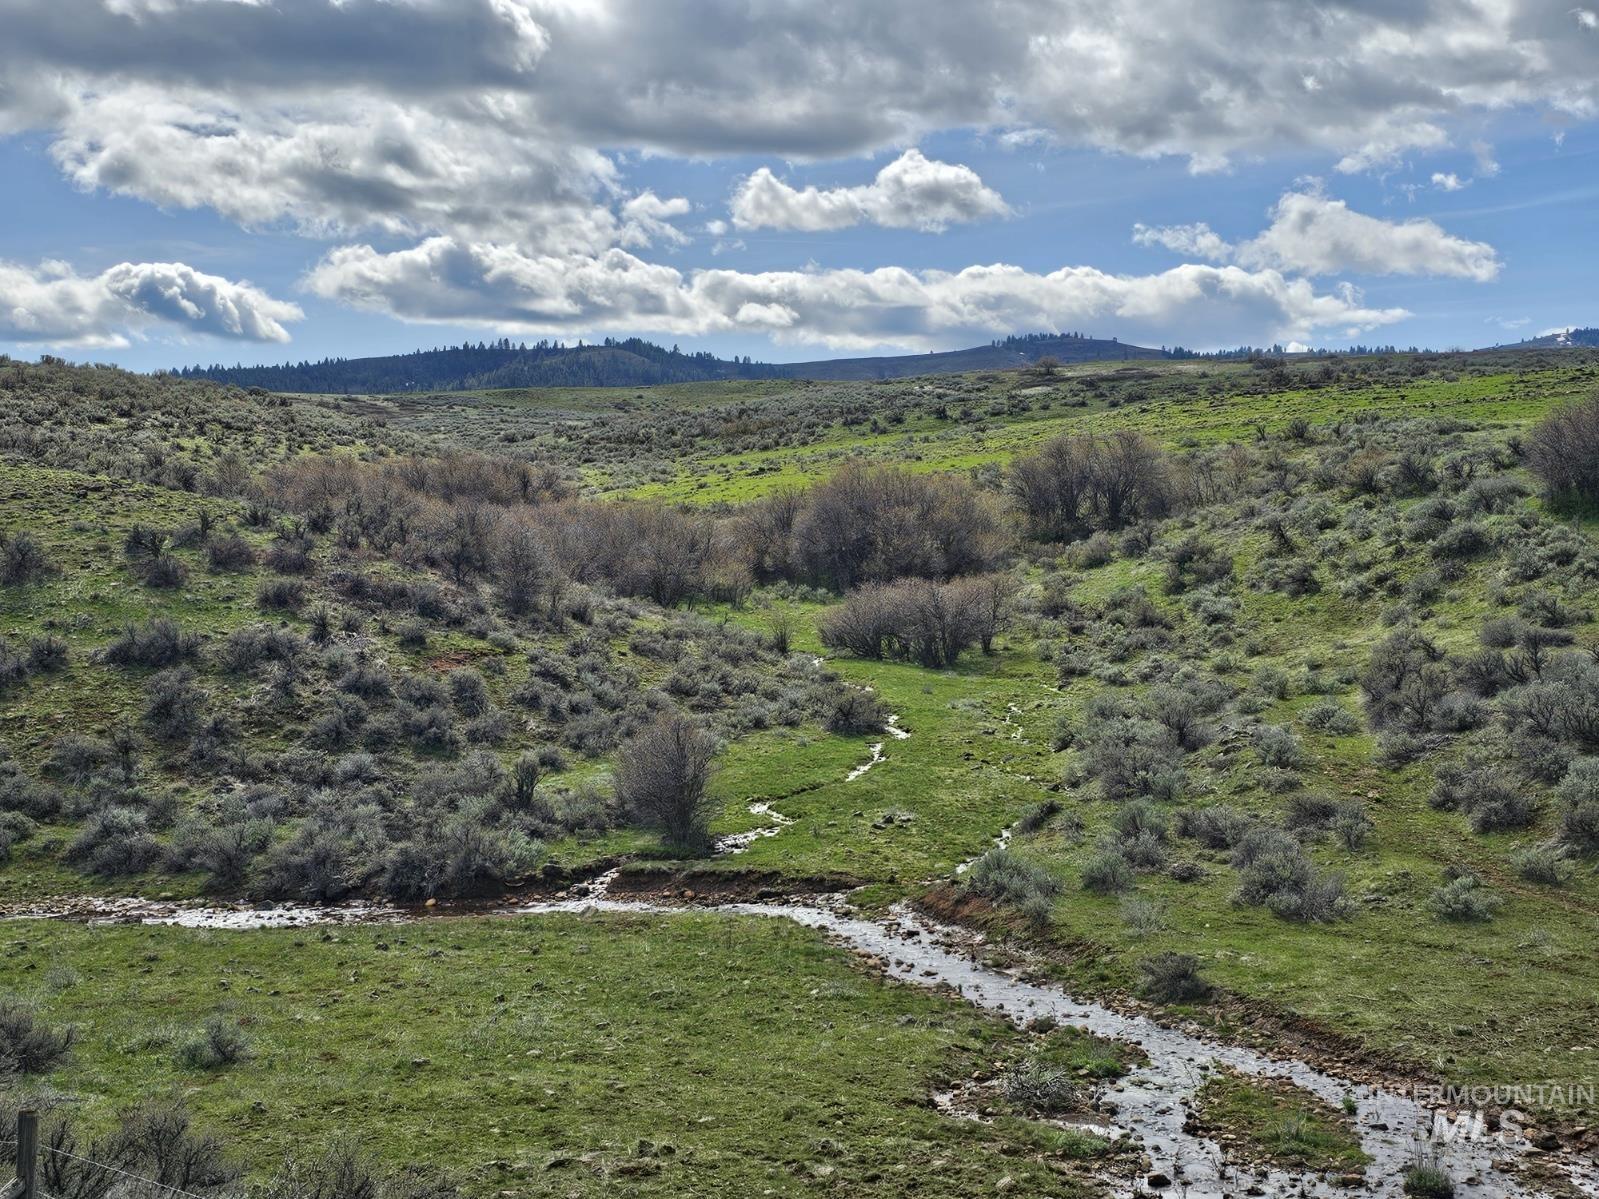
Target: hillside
[[1566, 340], [629, 363], [1278, 677], [1011, 353]]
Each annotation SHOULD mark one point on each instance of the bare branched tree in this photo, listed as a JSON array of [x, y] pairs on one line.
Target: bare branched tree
[[662, 774]]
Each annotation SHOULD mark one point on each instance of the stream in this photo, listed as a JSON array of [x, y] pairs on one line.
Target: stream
[[1148, 1104]]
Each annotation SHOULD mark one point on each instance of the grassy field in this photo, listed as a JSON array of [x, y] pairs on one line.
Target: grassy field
[[618, 1031], [571, 1055], [942, 423]]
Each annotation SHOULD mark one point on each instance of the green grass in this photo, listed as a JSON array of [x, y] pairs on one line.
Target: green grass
[[579, 1055], [1279, 1123], [814, 1077]]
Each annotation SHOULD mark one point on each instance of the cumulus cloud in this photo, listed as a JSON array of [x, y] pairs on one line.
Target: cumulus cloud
[[1312, 234], [912, 192], [343, 164], [445, 280], [405, 98], [1198, 239], [648, 217], [53, 305], [502, 122]]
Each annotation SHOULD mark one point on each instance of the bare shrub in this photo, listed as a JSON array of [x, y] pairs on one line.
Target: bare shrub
[[1172, 978], [1563, 451], [1077, 482], [158, 642], [27, 1044], [23, 560], [662, 773], [867, 525], [229, 553]]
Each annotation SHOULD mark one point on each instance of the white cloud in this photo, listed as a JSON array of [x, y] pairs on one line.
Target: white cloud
[[443, 280], [1311, 234], [344, 163], [912, 192], [1197, 239], [1487, 165], [53, 305], [647, 217], [1449, 181], [826, 79], [503, 122], [1315, 235]]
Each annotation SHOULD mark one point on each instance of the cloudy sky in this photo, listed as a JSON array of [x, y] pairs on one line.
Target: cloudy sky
[[263, 180]]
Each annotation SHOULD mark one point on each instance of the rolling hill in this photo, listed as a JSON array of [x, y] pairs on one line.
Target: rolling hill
[[634, 363]]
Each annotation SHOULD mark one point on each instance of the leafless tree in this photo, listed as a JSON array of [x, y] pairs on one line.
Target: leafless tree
[[1081, 481], [523, 569], [662, 773], [1563, 451]]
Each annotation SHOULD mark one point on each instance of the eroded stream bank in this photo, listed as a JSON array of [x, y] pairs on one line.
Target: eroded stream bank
[[1148, 1104]]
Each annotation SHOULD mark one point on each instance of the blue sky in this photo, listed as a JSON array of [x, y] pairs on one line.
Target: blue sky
[[243, 180]]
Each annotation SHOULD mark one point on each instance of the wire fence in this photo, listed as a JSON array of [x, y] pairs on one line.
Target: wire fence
[[162, 1187], [157, 1187]]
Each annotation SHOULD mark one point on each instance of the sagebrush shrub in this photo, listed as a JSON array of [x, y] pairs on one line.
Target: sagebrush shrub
[[1006, 877], [280, 594], [23, 560], [1039, 1087], [1107, 872], [1172, 978], [1547, 865], [27, 1044], [1216, 827], [1279, 746], [1464, 898], [157, 642], [115, 841], [217, 1043]]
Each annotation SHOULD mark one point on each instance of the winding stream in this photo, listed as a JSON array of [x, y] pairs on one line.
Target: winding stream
[[1148, 1104], [891, 727]]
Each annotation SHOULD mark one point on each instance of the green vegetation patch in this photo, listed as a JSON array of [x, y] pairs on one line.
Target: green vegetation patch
[[1272, 1122], [570, 1054]]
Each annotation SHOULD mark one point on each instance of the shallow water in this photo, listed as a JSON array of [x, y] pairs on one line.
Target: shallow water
[[1148, 1102]]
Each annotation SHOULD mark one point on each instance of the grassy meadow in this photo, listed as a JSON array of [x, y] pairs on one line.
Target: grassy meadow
[[352, 705]]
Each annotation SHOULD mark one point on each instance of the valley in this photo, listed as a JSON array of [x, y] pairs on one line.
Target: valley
[[1280, 737]]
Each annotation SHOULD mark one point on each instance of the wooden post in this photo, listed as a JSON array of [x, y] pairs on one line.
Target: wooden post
[[28, 1154]]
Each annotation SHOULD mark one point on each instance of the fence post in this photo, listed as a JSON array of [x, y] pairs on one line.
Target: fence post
[[28, 1154]]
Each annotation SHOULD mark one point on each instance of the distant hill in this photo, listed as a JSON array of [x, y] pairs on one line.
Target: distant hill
[[486, 365], [636, 363], [1556, 341], [1010, 353]]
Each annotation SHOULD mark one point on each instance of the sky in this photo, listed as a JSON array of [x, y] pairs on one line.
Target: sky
[[257, 181]]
